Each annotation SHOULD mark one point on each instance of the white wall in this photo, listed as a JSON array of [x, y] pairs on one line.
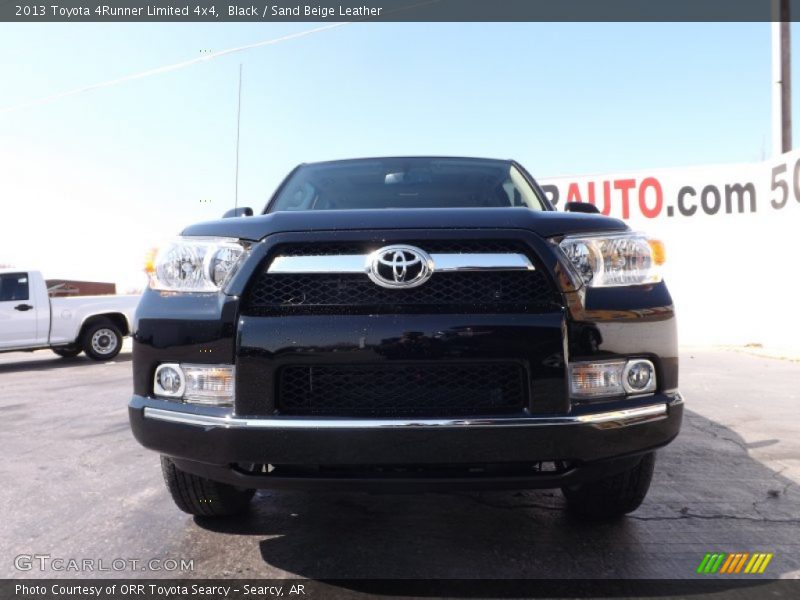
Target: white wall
[[733, 270]]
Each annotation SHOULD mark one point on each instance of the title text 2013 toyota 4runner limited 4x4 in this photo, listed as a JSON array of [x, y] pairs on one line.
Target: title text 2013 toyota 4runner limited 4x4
[[407, 324]]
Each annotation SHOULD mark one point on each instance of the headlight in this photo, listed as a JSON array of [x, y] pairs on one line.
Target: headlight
[[195, 264], [616, 259]]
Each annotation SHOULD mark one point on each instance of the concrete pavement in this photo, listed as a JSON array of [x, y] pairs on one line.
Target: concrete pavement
[[77, 485]]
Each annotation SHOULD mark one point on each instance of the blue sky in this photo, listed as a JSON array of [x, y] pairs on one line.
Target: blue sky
[[116, 169]]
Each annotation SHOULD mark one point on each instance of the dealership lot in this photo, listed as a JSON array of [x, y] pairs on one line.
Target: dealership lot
[[77, 486]]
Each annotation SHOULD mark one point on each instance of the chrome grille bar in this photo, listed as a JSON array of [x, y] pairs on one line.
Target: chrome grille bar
[[358, 263]]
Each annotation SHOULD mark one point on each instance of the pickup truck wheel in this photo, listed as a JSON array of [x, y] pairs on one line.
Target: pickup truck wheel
[[101, 340], [68, 351], [613, 496], [202, 497]]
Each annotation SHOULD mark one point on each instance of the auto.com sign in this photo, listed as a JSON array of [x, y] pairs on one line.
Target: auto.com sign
[[733, 241]]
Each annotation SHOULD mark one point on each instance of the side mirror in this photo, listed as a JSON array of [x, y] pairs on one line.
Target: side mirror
[[582, 207], [243, 211]]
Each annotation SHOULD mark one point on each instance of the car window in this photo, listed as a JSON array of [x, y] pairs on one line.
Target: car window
[[397, 183], [13, 286]]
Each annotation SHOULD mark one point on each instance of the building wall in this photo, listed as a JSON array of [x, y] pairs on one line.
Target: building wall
[[66, 287], [732, 235]]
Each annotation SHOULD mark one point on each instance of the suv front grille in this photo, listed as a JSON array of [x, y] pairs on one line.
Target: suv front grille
[[483, 291], [499, 291], [396, 390]]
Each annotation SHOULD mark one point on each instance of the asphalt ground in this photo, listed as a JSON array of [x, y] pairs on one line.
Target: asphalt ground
[[75, 484]]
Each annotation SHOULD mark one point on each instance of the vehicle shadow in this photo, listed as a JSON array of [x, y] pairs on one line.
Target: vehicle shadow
[[708, 495], [48, 363]]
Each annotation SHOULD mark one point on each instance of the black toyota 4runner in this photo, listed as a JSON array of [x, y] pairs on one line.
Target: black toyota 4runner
[[407, 324]]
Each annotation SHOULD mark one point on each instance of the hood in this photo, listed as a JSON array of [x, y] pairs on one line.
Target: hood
[[543, 223]]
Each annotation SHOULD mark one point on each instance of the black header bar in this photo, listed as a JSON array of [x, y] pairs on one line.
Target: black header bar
[[394, 10], [732, 588]]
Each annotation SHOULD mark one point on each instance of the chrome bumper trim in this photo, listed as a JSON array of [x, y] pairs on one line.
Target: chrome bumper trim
[[607, 419], [358, 263]]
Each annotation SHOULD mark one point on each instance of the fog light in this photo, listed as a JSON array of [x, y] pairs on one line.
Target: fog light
[[169, 381], [612, 378], [639, 377], [196, 384]]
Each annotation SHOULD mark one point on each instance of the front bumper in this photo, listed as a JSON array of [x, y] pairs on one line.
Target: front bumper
[[409, 453]]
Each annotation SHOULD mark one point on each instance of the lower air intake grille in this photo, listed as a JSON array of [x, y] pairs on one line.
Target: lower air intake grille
[[441, 390]]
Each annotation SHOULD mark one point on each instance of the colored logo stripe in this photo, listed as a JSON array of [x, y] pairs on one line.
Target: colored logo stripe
[[740, 564], [732, 563], [703, 563], [735, 562], [758, 563], [726, 566], [711, 562]]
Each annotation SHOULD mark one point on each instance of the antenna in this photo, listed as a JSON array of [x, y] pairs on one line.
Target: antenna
[[238, 121]]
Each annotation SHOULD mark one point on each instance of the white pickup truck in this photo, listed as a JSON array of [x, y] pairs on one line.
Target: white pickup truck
[[31, 320]]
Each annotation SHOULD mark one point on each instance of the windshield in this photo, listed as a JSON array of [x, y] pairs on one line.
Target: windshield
[[406, 183]]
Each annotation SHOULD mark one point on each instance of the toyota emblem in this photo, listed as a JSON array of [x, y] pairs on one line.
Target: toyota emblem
[[399, 266]]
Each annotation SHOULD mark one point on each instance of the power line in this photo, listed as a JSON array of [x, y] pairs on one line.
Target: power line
[[172, 67], [211, 56]]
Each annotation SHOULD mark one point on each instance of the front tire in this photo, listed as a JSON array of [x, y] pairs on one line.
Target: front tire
[[613, 496], [101, 340], [203, 497]]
